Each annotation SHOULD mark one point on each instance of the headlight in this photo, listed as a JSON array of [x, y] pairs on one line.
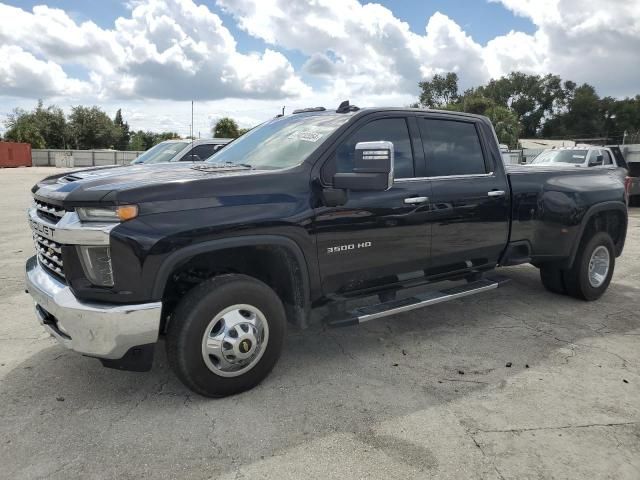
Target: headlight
[[96, 263], [107, 214]]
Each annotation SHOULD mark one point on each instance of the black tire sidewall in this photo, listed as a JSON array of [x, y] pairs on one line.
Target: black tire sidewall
[[192, 317], [551, 278], [587, 291]]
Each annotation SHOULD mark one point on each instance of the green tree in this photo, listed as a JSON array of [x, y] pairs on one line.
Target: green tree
[[21, 127], [124, 136], [505, 123], [440, 91], [91, 128], [531, 97], [226, 128], [43, 127], [584, 115], [142, 140]]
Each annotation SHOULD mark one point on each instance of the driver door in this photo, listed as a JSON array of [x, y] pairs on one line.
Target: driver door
[[376, 237]]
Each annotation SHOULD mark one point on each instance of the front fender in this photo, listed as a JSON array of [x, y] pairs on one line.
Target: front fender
[[181, 256]]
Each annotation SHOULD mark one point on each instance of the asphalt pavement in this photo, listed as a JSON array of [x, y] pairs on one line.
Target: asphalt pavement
[[516, 383]]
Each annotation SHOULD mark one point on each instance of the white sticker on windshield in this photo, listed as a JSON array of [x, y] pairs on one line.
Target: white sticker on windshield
[[579, 156], [306, 135]]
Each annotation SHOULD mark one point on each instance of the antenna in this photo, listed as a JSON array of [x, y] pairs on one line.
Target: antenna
[[283, 111]]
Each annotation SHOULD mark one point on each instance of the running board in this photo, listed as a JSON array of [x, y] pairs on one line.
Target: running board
[[380, 310]]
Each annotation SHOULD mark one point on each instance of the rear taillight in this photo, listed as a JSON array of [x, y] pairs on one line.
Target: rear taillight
[[627, 188]]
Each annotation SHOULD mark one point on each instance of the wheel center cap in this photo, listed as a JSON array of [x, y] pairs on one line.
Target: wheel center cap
[[245, 346]]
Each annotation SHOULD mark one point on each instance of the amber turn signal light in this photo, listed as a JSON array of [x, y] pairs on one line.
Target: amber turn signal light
[[127, 212]]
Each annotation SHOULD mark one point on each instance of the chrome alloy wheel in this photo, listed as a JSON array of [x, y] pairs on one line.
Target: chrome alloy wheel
[[599, 266], [235, 340]]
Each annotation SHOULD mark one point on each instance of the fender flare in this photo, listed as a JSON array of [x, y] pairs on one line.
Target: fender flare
[[184, 254], [594, 210]]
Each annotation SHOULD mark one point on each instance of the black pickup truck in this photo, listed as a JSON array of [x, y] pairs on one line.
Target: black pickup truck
[[392, 208]]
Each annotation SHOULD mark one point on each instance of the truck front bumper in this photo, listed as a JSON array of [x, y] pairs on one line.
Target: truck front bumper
[[113, 333]]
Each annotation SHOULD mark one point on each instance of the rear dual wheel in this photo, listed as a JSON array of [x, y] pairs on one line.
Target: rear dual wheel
[[590, 274]]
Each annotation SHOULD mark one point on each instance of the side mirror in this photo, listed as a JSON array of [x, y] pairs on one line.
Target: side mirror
[[597, 161], [372, 168]]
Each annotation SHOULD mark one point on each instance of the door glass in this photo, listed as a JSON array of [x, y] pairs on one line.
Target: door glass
[[387, 129], [199, 153], [606, 158], [452, 148]]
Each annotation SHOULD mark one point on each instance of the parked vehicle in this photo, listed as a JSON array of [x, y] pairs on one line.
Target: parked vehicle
[[587, 156], [392, 208], [634, 176], [181, 151]]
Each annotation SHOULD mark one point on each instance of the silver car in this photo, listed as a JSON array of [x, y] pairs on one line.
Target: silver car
[[181, 151]]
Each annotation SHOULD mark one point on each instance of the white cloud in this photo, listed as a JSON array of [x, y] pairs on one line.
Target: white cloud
[[22, 74], [167, 49], [585, 40], [372, 50]]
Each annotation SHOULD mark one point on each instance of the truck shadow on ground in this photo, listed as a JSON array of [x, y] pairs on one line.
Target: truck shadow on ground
[[327, 381]]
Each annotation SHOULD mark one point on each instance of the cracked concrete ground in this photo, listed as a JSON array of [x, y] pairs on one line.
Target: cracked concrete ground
[[383, 400]]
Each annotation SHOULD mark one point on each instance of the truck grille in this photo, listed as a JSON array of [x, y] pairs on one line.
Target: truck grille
[[49, 212], [49, 254]]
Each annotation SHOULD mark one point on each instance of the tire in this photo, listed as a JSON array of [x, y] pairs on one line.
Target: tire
[[250, 303], [577, 279], [552, 279]]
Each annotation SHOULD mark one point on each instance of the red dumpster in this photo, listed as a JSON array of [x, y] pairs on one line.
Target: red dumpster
[[15, 154]]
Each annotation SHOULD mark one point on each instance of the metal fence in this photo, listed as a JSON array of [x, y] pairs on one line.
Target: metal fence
[[81, 158]]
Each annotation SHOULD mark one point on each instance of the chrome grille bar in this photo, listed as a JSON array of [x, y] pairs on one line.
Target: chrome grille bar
[[49, 254], [49, 212]]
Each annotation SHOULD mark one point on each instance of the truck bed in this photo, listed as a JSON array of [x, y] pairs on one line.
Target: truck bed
[[549, 203]]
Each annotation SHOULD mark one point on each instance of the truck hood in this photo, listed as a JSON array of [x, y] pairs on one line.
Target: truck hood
[[95, 185]]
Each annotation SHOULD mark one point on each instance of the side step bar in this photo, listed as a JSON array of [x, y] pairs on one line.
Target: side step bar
[[380, 310]]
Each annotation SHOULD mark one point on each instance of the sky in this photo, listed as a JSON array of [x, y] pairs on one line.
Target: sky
[[249, 58]]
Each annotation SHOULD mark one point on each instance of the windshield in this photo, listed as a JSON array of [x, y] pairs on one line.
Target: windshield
[[280, 143], [576, 157], [163, 152]]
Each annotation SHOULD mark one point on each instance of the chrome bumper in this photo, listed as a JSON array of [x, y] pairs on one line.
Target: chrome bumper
[[99, 330]]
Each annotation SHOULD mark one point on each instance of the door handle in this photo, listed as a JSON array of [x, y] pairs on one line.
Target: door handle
[[415, 200], [496, 193]]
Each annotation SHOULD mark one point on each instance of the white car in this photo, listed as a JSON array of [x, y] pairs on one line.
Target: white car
[[587, 156]]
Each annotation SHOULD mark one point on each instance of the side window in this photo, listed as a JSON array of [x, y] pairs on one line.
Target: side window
[[393, 130], [593, 158], [201, 152], [606, 158], [451, 148]]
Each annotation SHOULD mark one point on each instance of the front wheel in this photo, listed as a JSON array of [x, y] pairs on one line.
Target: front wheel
[[226, 335], [592, 268]]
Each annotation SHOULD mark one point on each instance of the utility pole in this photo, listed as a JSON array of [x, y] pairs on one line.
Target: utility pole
[[192, 130]]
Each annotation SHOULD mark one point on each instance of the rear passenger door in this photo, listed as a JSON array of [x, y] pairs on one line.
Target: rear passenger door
[[469, 196]]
